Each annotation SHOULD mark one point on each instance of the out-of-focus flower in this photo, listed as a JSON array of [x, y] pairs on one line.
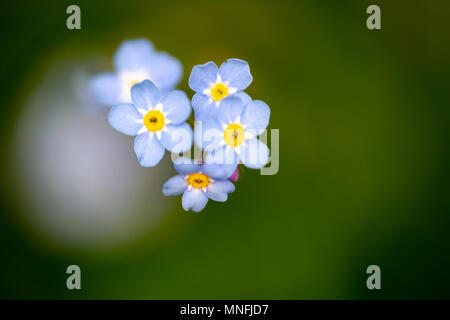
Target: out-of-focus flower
[[80, 190], [231, 137], [135, 61], [157, 124], [213, 84], [198, 183]]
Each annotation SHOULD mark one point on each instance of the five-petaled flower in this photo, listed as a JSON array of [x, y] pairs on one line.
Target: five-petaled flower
[[159, 124], [135, 61], [231, 137], [213, 84], [198, 182]]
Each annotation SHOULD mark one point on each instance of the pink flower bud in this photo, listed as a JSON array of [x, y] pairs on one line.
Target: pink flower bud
[[235, 176]]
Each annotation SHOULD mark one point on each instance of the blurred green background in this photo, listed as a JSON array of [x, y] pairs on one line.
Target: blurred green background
[[364, 162]]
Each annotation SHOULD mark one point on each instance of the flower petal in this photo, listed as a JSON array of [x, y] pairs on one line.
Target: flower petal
[[106, 88], [145, 95], [194, 199], [256, 116], [237, 73], [174, 186], [222, 155], [246, 99], [166, 71], [255, 154], [177, 106], [177, 138], [218, 171], [208, 134], [230, 110], [218, 190], [202, 76], [202, 105], [125, 118], [148, 149], [186, 166], [134, 54]]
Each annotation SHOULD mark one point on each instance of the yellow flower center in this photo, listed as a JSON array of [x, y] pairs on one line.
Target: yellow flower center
[[154, 120], [198, 180], [219, 91], [234, 135]]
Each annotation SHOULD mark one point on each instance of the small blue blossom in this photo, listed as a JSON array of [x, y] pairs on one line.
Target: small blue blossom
[[213, 84], [200, 182], [158, 124], [135, 61], [231, 137]]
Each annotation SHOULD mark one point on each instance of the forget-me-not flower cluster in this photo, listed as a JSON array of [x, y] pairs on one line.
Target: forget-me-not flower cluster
[[228, 122]]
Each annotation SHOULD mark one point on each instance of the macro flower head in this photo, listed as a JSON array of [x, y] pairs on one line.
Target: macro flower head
[[228, 121], [135, 61], [158, 123], [231, 137], [213, 84], [199, 182]]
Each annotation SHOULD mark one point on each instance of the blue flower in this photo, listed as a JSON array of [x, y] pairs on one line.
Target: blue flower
[[213, 84], [231, 137], [135, 61], [199, 182], [159, 124]]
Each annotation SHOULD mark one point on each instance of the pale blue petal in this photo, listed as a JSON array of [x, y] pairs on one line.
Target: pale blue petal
[[256, 116], [230, 110], [177, 106], [219, 171], [237, 73], [186, 166], [148, 149], [208, 113], [166, 71], [246, 99], [202, 105], [145, 95], [136, 54], [177, 138], [194, 200], [106, 88], [125, 118], [222, 155], [208, 134], [219, 189], [202, 76], [174, 186], [254, 154]]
